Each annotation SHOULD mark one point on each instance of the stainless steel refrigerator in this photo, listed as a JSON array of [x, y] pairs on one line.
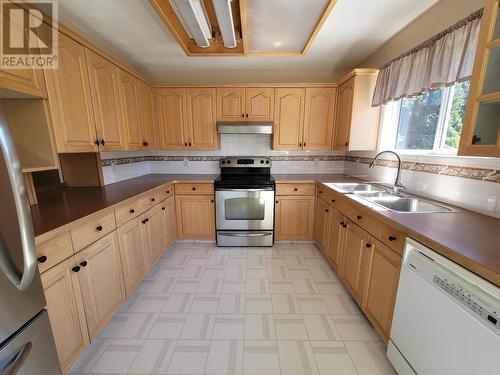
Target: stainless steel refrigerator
[[26, 342]]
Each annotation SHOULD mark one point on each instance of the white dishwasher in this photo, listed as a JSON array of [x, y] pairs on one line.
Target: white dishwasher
[[446, 319]]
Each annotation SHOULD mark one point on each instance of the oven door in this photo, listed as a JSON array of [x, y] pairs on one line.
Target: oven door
[[244, 209]]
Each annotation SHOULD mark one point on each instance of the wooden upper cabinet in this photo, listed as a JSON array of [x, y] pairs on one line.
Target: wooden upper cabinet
[[383, 268], [130, 110], [318, 118], [149, 123], [288, 118], [231, 104], [101, 282], [26, 81], [104, 86], [70, 99], [357, 122], [201, 118], [259, 104], [172, 118]]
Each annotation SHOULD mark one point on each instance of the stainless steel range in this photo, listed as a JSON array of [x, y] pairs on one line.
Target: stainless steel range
[[244, 198]]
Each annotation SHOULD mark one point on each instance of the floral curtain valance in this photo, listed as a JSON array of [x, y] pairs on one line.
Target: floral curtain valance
[[442, 60]]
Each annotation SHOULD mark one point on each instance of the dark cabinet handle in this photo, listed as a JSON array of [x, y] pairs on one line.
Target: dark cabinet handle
[[359, 217], [333, 200], [368, 245], [341, 223], [193, 188], [320, 192], [42, 259], [163, 208], [326, 210], [344, 225], [98, 228], [145, 143], [392, 238], [347, 144], [97, 142], [152, 199], [295, 189], [277, 201], [131, 211], [103, 142], [168, 191], [145, 221], [211, 201], [242, 115], [76, 269], [300, 144], [189, 144], [185, 144], [246, 115], [304, 144], [84, 263]]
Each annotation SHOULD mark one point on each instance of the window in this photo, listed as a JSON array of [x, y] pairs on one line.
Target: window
[[431, 121]]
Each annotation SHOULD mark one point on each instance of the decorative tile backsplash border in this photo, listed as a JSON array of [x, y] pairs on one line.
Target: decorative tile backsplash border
[[474, 173]]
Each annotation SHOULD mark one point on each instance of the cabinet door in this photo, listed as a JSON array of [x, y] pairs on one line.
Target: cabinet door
[[130, 111], [101, 282], [149, 123], [259, 104], [201, 119], [343, 116], [294, 218], [231, 104], [335, 250], [132, 254], [173, 120], [154, 233], [322, 224], [67, 318], [318, 118], [356, 252], [70, 100], [195, 217], [288, 119], [169, 222], [383, 268], [105, 92], [26, 81]]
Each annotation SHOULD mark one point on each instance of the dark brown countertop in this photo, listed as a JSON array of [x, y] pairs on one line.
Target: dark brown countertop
[[62, 206]]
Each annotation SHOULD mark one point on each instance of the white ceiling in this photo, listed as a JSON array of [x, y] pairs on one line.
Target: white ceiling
[[131, 31]]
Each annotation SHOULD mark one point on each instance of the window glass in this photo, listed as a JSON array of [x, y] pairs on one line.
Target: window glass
[[457, 112], [418, 121]]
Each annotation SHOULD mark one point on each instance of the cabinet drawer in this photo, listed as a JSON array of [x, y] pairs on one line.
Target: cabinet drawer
[[393, 238], [54, 251], [368, 222], [165, 192], [130, 210], [328, 195], [295, 189], [186, 188], [93, 229]]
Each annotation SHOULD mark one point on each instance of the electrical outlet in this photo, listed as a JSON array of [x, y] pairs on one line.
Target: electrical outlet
[[186, 162]]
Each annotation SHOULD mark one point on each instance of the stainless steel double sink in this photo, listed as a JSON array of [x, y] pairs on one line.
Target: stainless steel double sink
[[383, 197]]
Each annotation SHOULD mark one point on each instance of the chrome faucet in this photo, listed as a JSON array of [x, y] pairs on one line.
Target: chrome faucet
[[397, 184]]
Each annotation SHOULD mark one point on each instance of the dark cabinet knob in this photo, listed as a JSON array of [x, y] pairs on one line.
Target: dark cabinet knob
[[246, 115], [320, 192], [341, 223], [344, 225], [163, 208], [333, 200], [392, 238], [131, 211], [347, 144], [242, 115], [189, 144], [98, 228], [368, 245], [193, 188], [185, 144], [300, 144], [76, 269], [359, 217], [168, 191], [145, 143], [211, 201], [42, 259], [152, 199], [277, 201], [84, 263], [103, 142], [145, 221], [97, 142], [326, 210], [295, 189], [304, 144]]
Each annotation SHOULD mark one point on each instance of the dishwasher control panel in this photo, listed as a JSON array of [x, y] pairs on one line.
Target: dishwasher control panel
[[468, 299]]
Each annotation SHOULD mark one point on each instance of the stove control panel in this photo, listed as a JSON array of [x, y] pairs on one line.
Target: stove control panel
[[245, 162]]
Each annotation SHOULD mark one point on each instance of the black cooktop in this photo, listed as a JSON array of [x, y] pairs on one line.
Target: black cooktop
[[245, 173], [244, 181]]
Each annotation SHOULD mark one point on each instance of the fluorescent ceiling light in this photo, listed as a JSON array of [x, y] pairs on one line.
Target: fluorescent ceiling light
[[224, 15], [192, 16]]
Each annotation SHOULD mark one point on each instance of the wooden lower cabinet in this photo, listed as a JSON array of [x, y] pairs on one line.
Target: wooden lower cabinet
[[151, 229], [65, 306], [382, 278], [132, 253], [294, 218], [336, 239], [353, 267], [322, 224], [101, 281], [169, 223], [195, 217]]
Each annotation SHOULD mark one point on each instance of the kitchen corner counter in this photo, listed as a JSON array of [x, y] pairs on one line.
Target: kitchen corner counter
[[62, 206]]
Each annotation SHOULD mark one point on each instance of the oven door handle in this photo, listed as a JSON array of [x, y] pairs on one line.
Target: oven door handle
[[245, 190], [229, 234]]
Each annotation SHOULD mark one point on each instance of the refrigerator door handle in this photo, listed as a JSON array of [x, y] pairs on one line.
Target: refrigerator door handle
[[17, 361], [13, 167]]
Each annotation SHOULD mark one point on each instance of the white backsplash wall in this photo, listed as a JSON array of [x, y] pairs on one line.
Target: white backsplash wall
[[117, 168], [468, 182]]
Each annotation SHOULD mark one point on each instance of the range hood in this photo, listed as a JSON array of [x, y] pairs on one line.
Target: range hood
[[245, 127]]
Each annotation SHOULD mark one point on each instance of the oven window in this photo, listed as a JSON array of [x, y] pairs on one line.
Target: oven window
[[244, 208]]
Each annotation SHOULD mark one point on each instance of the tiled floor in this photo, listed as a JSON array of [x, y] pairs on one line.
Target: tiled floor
[[229, 311]]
